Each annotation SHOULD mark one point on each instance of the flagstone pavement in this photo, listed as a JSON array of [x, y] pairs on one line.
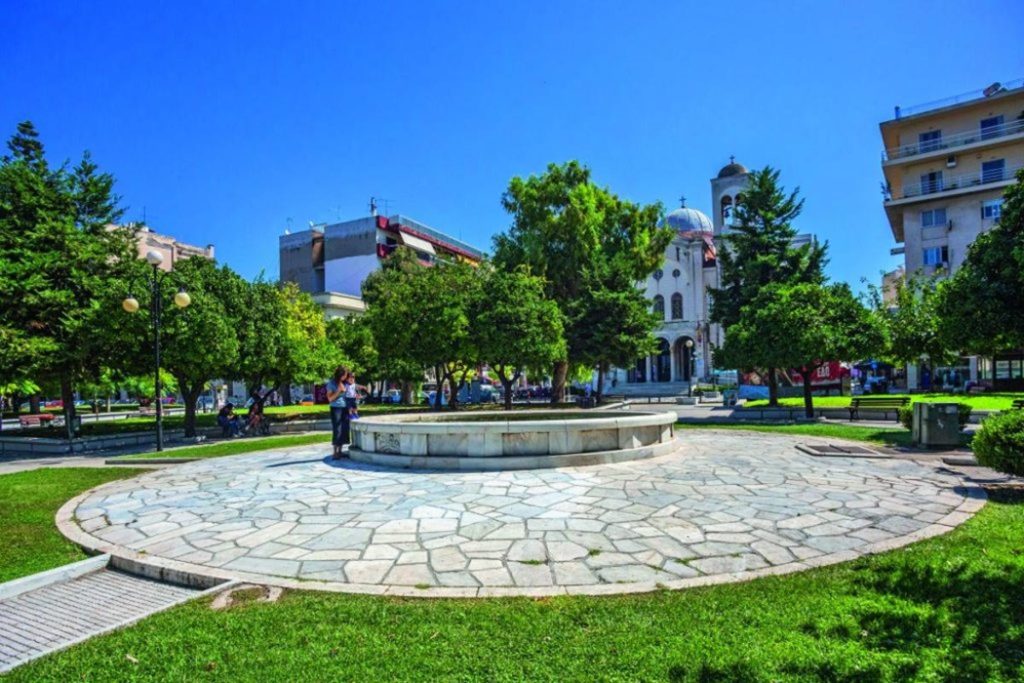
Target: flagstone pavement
[[726, 506]]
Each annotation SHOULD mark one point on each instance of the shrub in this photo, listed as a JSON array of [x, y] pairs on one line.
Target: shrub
[[999, 443], [906, 416]]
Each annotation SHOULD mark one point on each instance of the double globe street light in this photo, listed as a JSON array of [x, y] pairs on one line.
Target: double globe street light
[[131, 305]]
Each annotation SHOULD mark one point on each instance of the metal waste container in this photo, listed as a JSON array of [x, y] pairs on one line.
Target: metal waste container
[[936, 424]]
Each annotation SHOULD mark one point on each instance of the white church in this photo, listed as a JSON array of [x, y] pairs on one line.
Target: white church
[[679, 295]]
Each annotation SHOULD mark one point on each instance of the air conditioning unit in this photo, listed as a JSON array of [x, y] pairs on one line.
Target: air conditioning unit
[[951, 161]]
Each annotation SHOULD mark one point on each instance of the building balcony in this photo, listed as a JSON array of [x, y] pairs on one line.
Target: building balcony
[[957, 142], [959, 184]]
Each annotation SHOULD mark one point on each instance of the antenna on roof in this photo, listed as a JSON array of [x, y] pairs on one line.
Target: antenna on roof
[[373, 206]]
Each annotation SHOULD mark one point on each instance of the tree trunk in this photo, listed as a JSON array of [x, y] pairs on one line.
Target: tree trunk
[[773, 388], [67, 397], [286, 394], [601, 368], [406, 392], [33, 404], [558, 375], [191, 394], [808, 397]]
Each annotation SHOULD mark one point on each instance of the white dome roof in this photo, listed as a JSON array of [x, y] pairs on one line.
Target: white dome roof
[[684, 219]]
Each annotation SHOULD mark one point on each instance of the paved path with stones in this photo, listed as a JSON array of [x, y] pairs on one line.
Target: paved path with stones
[[727, 506]]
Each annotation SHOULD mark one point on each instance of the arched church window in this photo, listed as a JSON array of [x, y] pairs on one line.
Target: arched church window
[[659, 306], [677, 306], [658, 273], [726, 208], [676, 272]]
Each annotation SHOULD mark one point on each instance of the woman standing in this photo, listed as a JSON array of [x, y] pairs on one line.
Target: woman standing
[[339, 410]]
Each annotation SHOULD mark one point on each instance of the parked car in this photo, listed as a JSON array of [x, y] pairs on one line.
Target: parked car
[[427, 398], [307, 400], [392, 396], [205, 403]]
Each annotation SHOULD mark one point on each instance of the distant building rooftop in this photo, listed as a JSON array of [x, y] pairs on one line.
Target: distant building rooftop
[[992, 90]]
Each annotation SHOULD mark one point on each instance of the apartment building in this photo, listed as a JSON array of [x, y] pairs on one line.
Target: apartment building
[[331, 261], [170, 248], [946, 164]]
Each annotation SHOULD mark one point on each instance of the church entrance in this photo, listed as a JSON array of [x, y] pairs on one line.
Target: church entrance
[[661, 364], [683, 356], [638, 373]]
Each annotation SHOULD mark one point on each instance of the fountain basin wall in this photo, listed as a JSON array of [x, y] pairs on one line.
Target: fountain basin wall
[[496, 440]]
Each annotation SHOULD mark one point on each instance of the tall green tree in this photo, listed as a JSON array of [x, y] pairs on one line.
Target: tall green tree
[[515, 325], [57, 260], [801, 326], [759, 251], [912, 323], [198, 343], [571, 232], [981, 308]]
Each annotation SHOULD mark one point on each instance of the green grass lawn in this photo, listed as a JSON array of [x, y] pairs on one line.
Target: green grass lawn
[[29, 539], [891, 437], [946, 609], [896, 436], [1003, 401], [234, 447]]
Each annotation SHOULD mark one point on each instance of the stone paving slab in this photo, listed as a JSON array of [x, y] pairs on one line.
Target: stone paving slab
[[727, 506]]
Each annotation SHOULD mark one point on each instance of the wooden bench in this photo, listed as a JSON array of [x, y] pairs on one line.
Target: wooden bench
[[38, 420], [1018, 404], [885, 403]]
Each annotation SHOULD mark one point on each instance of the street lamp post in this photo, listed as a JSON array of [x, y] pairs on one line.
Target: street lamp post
[[131, 305]]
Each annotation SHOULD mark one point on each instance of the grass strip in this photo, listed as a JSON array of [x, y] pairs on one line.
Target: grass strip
[[28, 503], [233, 447]]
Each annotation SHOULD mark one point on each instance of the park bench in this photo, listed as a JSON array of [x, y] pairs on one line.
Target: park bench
[[1018, 404], [38, 420], [885, 403]]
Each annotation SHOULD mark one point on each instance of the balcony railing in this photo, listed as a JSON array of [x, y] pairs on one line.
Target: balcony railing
[[962, 139], [994, 89], [958, 182]]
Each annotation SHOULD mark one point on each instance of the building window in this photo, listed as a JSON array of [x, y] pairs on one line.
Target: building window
[[659, 306], [676, 272], [936, 256], [726, 208], [658, 274], [993, 171], [677, 253], [677, 306], [930, 141], [931, 182], [992, 209], [933, 218], [990, 127]]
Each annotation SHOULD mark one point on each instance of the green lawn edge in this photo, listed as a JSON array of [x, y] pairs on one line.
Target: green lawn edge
[[29, 502], [232, 447]]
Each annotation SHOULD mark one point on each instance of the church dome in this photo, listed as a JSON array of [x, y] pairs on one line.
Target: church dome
[[688, 220], [732, 168]]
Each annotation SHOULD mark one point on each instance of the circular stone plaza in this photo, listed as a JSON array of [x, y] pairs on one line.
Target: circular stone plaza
[[723, 506]]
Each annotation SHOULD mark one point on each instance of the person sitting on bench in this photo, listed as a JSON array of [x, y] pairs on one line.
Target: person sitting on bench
[[228, 421]]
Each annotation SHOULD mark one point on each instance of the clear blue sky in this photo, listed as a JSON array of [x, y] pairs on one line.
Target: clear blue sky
[[222, 121]]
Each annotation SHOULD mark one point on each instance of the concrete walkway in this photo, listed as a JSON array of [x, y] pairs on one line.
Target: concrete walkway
[[726, 506], [54, 610]]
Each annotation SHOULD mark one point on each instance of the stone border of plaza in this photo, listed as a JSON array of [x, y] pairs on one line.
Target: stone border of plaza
[[973, 500]]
